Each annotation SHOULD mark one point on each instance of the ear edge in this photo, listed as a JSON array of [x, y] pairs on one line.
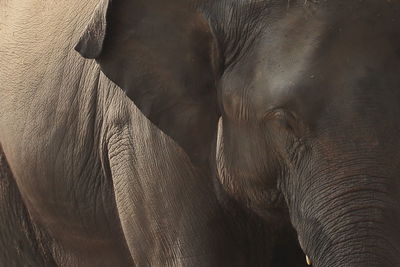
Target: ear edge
[[90, 44]]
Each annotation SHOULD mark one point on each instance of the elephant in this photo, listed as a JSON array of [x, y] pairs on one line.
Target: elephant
[[86, 179], [200, 133]]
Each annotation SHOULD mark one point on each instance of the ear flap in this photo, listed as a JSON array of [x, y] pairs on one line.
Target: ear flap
[[91, 42]]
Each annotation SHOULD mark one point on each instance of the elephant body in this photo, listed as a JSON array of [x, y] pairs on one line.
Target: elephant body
[[199, 133], [77, 154]]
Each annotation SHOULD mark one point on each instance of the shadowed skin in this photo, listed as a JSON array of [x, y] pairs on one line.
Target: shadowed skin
[[253, 132]]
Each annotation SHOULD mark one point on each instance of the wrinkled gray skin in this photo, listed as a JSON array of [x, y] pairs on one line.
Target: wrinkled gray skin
[[215, 133]]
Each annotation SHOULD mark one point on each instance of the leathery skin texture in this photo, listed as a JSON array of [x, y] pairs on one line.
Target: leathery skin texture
[[200, 133]]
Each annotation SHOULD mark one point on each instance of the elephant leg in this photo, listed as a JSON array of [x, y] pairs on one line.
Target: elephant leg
[[18, 236]]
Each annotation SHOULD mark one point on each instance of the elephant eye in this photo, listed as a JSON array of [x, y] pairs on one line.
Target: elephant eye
[[280, 113], [287, 120]]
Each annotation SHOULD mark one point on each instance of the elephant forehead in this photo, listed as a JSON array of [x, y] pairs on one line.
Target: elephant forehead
[[301, 61], [269, 72]]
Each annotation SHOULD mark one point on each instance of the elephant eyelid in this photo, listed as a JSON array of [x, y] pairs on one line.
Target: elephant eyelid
[[287, 119], [281, 114]]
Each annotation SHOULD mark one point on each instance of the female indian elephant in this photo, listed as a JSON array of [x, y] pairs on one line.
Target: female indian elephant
[[203, 133]]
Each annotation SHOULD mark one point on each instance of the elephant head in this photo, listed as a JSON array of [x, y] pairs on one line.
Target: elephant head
[[306, 95], [310, 121]]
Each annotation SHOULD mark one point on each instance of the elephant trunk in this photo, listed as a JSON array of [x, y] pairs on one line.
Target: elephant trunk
[[351, 221]]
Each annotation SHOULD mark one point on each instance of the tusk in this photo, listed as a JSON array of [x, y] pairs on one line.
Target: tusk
[[308, 260]]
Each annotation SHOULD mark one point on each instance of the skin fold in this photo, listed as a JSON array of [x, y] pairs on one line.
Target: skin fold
[[199, 133]]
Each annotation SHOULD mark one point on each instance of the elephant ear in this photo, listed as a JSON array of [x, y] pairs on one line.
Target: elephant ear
[[90, 44], [164, 56]]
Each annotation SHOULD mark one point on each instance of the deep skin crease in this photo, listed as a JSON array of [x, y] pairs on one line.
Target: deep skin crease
[[274, 133]]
